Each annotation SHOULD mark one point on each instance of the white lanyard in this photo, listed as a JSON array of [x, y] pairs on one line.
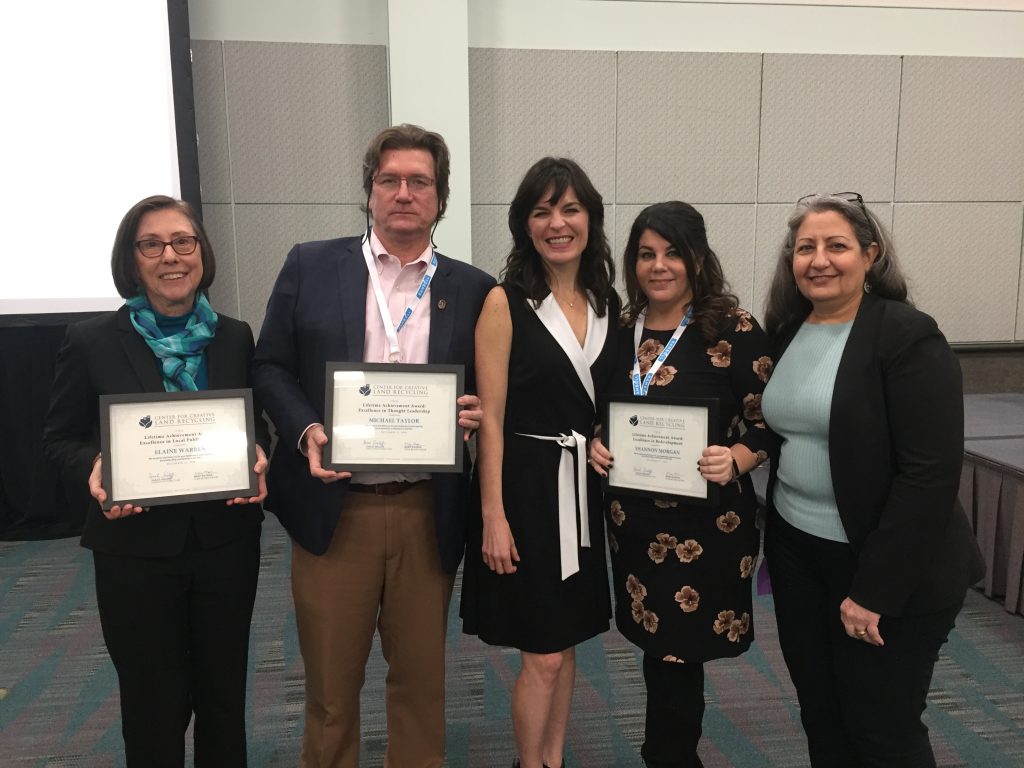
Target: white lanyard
[[640, 387], [390, 329]]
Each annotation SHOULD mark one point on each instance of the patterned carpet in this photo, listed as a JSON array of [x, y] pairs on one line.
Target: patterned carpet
[[58, 691]]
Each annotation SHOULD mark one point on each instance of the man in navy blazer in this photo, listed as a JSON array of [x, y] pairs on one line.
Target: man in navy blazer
[[371, 550]]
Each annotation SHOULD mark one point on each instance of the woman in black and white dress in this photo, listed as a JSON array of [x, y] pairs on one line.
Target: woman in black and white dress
[[535, 576]]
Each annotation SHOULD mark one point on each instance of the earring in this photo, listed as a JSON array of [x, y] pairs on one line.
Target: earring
[[867, 287]]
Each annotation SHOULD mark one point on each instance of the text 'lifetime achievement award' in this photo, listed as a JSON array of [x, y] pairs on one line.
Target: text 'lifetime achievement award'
[[173, 447], [393, 417], [657, 444]]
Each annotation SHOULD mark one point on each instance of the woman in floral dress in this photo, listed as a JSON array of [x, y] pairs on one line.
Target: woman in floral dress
[[682, 572]]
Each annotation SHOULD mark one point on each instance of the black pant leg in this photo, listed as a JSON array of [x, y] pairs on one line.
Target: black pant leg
[[143, 607], [675, 713], [885, 689], [861, 705], [221, 602], [804, 570]]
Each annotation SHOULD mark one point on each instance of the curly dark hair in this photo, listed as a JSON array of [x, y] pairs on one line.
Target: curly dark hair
[[122, 256], [551, 177], [786, 305], [683, 226]]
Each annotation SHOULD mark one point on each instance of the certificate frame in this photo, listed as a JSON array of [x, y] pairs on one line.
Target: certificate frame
[[183, 420], [670, 434], [424, 394]]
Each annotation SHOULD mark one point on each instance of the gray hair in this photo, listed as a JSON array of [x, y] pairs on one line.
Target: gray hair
[[786, 305]]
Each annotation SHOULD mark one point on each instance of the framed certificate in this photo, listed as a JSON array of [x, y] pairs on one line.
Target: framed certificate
[[173, 447], [656, 444], [393, 417]]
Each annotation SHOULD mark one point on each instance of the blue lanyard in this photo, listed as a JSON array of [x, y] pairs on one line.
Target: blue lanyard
[[424, 284], [640, 387], [390, 330]]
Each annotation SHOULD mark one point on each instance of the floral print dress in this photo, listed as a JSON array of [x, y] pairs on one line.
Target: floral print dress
[[682, 573]]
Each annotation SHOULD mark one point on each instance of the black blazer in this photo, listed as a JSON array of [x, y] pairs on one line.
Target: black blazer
[[317, 313], [106, 355], [896, 441]]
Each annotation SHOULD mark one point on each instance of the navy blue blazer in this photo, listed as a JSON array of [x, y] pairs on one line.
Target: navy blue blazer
[[896, 443], [317, 313]]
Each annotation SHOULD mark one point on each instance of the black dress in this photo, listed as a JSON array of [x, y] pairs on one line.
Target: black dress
[[534, 609], [682, 573]]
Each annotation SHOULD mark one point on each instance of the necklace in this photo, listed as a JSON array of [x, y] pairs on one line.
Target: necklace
[[571, 303]]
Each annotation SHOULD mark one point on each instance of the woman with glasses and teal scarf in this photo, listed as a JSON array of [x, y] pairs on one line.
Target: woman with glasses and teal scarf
[[870, 554], [175, 584]]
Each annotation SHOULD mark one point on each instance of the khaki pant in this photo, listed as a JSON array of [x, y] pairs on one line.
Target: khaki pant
[[382, 571]]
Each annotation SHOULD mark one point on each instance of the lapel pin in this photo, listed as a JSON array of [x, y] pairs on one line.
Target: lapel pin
[[442, 303]]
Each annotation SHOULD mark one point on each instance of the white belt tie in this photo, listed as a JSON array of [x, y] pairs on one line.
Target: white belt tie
[[569, 494]]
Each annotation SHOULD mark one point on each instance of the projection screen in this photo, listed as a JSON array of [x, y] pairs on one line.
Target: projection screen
[[89, 95]]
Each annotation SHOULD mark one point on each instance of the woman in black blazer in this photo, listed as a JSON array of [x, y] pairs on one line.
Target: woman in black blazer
[[175, 584], [869, 553]]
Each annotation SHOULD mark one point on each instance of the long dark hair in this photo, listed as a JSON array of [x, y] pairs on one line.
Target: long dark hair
[[787, 306], [524, 268], [683, 226]]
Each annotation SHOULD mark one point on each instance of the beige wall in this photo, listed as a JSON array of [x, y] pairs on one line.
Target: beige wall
[[933, 141]]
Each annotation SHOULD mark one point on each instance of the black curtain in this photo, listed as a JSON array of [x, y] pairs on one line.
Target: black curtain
[[33, 504]]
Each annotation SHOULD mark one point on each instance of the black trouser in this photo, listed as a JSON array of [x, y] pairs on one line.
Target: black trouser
[[177, 630], [860, 705], [675, 710]]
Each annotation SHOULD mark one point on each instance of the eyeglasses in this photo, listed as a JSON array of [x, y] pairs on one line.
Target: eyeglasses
[[849, 197], [152, 248], [390, 182]]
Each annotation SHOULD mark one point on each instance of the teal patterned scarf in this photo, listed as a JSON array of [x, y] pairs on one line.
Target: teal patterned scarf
[[181, 353]]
